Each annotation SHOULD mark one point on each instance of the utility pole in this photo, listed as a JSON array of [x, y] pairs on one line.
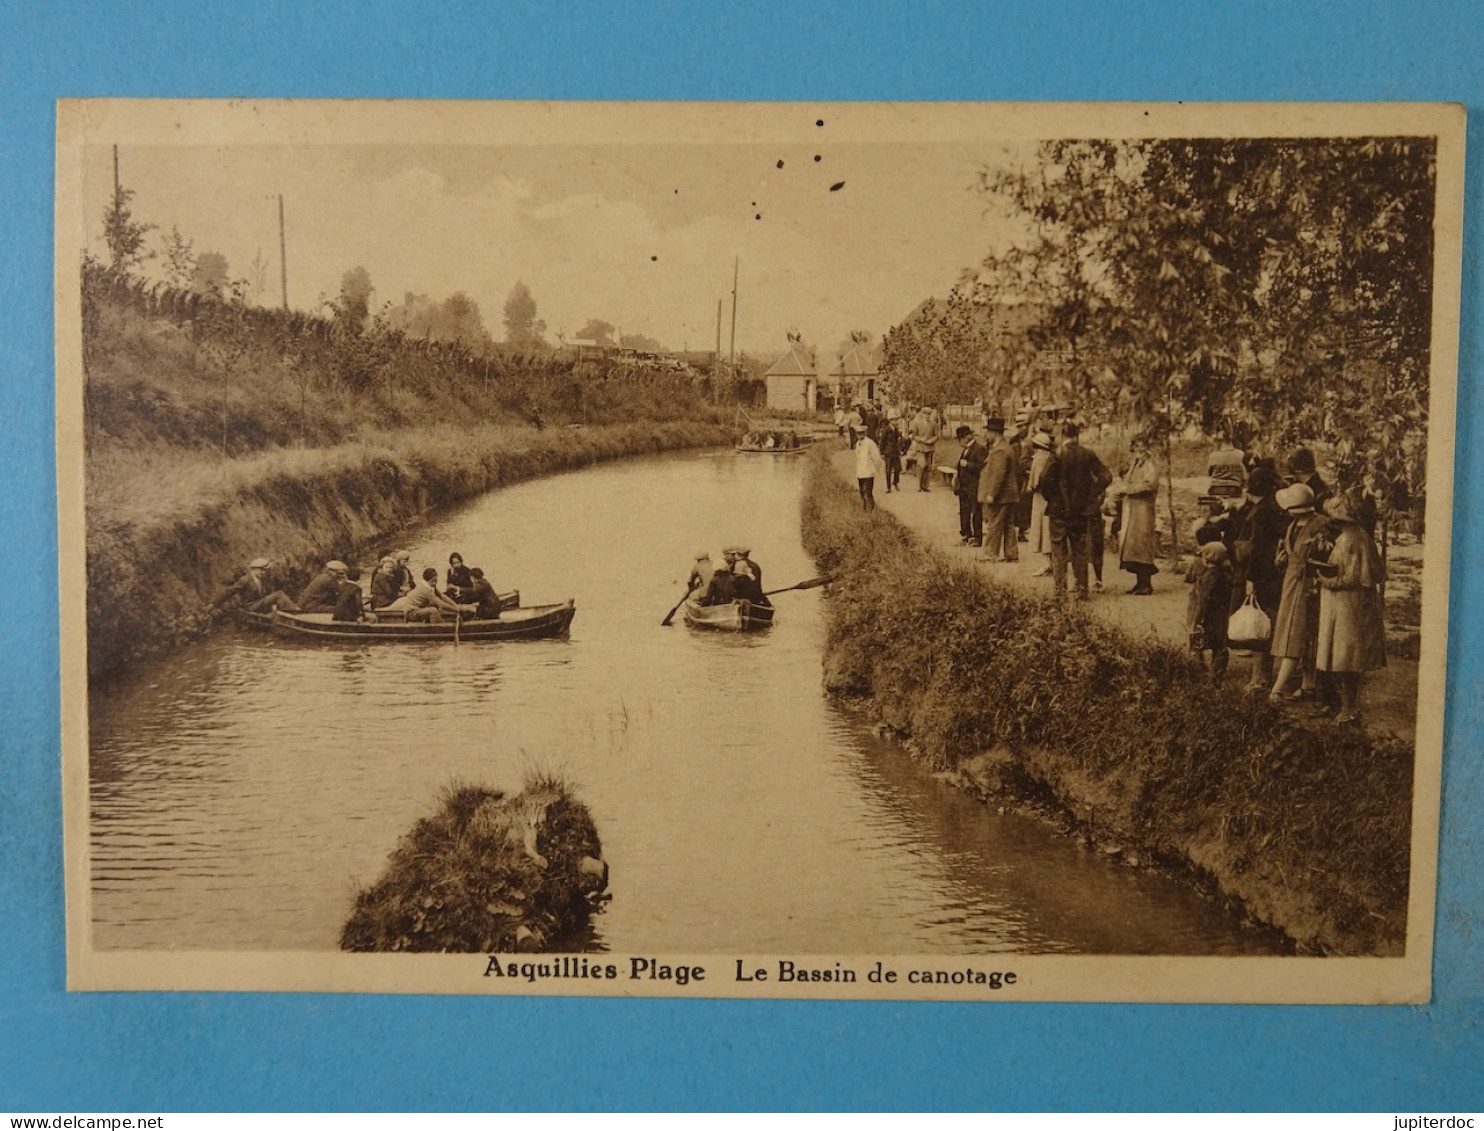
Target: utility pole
[[716, 359], [732, 347], [283, 262], [115, 176]]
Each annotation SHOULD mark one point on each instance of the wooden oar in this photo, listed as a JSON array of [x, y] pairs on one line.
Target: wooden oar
[[812, 583], [671, 614]]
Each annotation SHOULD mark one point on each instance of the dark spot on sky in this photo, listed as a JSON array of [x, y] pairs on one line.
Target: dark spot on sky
[[780, 162], [837, 186], [757, 216], [654, 258], [817, 157], [819, 122]]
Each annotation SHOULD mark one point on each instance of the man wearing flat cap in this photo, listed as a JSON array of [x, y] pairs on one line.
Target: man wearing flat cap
[[251, 592], [322, 593]]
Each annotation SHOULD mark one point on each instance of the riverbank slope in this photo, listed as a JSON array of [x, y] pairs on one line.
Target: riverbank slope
[[1015, 695]]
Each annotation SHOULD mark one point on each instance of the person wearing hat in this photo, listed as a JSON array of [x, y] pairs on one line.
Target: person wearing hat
[[746, 585], [1039, 538], [251, 592], [1351, 628], [1295, 628], [868, 465], [924, 431], [1072, 483], [1135, 494], [966, 486], [349, 605], [403, 574], [1252, 534], [1301, 469], [1209, 610], [322, 592], [700, 574], [999, 492]]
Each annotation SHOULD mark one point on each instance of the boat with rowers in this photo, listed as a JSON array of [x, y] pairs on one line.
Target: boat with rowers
[[732, 616], [515, 622]]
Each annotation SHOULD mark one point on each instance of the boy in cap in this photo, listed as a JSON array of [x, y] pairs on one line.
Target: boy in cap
[[250, 591], [321, 594]]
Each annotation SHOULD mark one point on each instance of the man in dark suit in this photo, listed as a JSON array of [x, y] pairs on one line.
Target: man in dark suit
[[966, 486], [999, 492], [1073, 483]]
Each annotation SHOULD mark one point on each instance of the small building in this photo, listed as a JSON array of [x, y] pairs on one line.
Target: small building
[[854, 376], [792, 383]]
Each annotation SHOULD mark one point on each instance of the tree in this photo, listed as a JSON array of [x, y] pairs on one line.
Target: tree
[[210, 276], [180, 260], [353, 305], [522, 328], [123, 234], [596, 330], [641, 342]]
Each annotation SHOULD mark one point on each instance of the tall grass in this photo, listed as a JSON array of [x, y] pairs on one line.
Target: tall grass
[[1307, 826]]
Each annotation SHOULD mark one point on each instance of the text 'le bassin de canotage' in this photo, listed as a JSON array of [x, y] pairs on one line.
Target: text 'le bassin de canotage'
[[779, 971]]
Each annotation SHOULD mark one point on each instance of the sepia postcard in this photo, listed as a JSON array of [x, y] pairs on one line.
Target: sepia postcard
[[976, 552]]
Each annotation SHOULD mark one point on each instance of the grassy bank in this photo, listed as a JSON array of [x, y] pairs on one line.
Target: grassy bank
[[1013, 694], [487, 873], [217, 433]]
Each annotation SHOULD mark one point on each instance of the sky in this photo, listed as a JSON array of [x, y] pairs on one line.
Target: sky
[[641, 234]]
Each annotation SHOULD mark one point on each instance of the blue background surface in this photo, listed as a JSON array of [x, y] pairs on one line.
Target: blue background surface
[[243, 1052]]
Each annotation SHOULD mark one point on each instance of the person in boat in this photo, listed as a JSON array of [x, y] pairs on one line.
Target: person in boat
[[403, 572], [700, 574], [459, 581], [720, 588], [384, 583], [348, 603], [770, 442], [791, 440], [322, 592], [747, 584], [251, 593], [425, 603], [742, 553], [482, 596]]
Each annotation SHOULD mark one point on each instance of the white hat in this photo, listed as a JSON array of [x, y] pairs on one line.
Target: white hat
[[259, 563], [337, 567]]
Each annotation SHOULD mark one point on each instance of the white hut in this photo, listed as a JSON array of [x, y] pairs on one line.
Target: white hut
[[792, 382]]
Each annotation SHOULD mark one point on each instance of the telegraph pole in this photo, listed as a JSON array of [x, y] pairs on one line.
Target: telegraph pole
[[716, 359], [283, 262], [732, 348]]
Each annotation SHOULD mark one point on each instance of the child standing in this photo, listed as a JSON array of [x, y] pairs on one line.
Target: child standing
[[1209, 610]]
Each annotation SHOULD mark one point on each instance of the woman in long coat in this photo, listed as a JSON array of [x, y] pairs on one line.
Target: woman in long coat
[[1297, 619], [1039, 539], [1352, 634], [1138, 544]]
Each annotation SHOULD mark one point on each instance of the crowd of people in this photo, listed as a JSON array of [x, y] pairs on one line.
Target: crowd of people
[[738, 578], [1281, 542], [394, 592]]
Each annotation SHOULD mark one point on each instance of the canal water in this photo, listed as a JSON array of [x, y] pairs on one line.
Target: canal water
[[243, 787]]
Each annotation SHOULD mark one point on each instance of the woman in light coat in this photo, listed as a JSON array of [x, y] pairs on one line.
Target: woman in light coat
[[1039, 538], [1352, 634], [1137, 491], [1295, 624]]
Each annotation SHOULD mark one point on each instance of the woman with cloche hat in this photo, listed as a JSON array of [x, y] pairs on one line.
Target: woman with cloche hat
[[1296, 624]]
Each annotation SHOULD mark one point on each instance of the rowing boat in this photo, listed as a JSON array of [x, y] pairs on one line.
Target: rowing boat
[[745, 450], [516, 622], [734, 616]]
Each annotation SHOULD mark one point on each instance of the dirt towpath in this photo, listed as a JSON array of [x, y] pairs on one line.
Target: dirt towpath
[[1388, 698]]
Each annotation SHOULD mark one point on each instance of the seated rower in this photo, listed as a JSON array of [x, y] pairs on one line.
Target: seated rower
[[322, 592], [251, 592], [483, 597], [458, 583], [700, 575], [425, 603], [718, 589], [348, 606]]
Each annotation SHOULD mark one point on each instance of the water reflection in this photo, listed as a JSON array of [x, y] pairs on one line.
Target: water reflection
[[242, 788]]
